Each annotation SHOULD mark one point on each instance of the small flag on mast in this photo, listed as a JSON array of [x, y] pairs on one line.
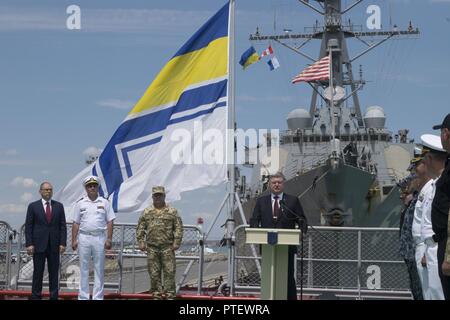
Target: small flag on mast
[[249, 57], [267, 52], [319, 70], [273, 63]]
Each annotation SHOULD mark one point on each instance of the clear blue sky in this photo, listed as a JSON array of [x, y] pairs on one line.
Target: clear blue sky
[[62, 91]]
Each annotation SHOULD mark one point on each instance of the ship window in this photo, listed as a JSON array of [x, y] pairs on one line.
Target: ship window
[[374, 137], [358, 138], [305, 139], [366, 137], [311, 139], [326, 138], [296, 139]]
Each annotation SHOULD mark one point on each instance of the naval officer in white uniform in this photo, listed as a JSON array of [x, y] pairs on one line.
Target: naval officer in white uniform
[[424, 187], [434, 160], [92, 233]]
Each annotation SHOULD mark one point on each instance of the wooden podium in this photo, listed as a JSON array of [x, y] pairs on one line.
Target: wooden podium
[[274, 267]]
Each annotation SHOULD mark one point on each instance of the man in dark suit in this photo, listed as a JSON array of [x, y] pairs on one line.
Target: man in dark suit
[[45, 238], [283, 211]]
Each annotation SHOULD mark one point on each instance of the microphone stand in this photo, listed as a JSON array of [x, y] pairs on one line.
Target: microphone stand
[[302, 227]]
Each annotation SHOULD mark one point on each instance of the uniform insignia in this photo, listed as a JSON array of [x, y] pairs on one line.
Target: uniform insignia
[[82, 209], [101, 207]]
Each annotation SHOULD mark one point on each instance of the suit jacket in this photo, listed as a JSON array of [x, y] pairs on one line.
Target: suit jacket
[[40, 233], [291, 214]]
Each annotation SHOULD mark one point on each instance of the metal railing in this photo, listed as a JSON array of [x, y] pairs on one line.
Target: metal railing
[[357, 262], [347, 262], [6, 238], [125, 265]]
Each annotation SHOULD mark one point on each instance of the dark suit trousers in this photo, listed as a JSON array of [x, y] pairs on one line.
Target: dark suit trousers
[[38, 273], [445, 281], [292, 289]]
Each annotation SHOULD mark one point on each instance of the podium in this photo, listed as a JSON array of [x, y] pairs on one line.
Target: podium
[[274, 267]]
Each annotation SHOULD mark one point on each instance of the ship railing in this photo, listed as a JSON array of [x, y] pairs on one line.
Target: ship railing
[[389, 175], [6, 258], [341, 261], [125, 265]]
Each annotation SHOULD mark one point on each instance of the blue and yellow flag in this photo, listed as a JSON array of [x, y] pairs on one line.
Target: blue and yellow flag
[[148, 147], [249, 57]]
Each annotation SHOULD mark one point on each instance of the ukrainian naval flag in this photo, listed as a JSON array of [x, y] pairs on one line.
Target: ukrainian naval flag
[[163, 139]]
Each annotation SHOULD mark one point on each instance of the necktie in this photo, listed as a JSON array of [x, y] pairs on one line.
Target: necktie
[[276, 207], [48, 212]]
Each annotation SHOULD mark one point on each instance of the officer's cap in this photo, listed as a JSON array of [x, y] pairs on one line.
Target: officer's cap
[[158, 189], [90, 180], [418, 156], [431, 143], [417, 150], [445, 123], [414, 163]]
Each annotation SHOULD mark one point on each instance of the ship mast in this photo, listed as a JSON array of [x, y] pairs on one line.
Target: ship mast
[[333, 34]]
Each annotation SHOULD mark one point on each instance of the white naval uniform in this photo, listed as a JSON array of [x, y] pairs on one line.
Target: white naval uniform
[[434, 290], [417, 232], [92, 216]]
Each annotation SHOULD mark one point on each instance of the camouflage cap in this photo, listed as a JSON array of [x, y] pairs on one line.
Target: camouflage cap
[[158, 189]]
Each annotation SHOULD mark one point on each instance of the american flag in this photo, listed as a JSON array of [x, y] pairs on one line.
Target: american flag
[[319, 70]]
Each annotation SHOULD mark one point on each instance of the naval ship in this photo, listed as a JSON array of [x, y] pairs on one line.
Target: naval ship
[[343, 164]]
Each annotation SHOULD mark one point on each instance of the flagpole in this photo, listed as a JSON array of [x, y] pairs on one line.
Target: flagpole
[[333, 125], [231, 141]]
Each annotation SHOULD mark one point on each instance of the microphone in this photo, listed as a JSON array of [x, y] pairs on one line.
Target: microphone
[[302, 219]]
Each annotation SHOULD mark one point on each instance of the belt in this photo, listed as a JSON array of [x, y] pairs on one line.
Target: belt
[[438, 238], [93, 233]]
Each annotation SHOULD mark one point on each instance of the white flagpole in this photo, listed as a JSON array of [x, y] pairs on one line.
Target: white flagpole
[[231, 102], [230, 225], [333, 125]]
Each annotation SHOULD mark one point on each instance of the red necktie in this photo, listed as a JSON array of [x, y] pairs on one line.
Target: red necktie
[[276, 207], [48, 212]]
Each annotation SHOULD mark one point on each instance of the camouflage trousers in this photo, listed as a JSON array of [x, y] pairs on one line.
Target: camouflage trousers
[[161, 262], [414, 280]]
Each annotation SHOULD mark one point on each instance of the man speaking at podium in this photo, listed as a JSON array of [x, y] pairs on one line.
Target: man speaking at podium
[[282, 211]]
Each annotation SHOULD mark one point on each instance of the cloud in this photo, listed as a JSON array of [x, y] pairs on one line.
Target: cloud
[[24, 182], [45, 172], [11, 152], [26, 197], [91, 154], [116, 104], [13, 208], [15, 162]]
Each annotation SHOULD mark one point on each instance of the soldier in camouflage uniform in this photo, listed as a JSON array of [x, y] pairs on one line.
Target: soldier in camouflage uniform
[[159, 232]]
